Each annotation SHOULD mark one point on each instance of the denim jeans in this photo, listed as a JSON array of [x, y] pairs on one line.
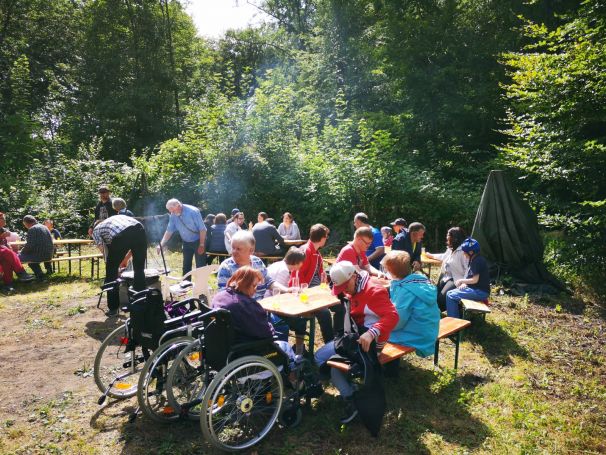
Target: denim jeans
[[190, 249], [453, 298], [338, 378]]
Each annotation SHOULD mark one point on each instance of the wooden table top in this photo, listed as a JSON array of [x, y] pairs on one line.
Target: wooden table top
[[60, 242], [428, 261], [290, 305], [295, 242]]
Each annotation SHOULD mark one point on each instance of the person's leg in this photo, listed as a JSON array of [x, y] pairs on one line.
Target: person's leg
[[115, 254], [298, 325], [35, 266], [189, 248], [324, 318], [49, 267], [453, 298], [338, 378], [443, 289], [6, 263]]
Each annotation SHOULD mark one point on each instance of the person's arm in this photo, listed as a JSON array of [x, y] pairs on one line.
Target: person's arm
[[124, 262], [436, 256], [370, 269], [202, 246], [463, 282], [296, 234], [278, 238], [165, 238], [223, 276], [379, 251], [380, 304], [275, 285]]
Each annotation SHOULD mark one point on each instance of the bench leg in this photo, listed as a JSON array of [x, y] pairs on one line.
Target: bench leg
[[92, 268], [436, 355], [456, 360]]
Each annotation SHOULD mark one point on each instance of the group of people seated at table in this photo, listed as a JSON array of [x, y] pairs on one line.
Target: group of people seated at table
[[408, 314]]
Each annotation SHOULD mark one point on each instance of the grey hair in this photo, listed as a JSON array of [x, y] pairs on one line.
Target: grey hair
[[118, 203], [244, 237], [172, 203]]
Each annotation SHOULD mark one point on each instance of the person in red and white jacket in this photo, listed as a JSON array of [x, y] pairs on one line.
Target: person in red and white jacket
[[312, 270], [373, 313]]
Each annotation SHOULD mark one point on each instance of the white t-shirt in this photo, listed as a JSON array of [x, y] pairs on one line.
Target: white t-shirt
[[280, 273], [230, 229]]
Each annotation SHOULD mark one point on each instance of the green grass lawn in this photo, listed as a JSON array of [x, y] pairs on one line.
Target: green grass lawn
[[532, 379]]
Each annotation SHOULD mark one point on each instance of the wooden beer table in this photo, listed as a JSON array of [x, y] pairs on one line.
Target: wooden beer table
[[291, 305]]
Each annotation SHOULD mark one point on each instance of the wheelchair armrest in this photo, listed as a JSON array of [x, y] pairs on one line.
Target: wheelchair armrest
[[135, 295], [183, 318], [109, 286]]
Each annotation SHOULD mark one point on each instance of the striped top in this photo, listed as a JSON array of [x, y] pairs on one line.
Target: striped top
[[107, 229]]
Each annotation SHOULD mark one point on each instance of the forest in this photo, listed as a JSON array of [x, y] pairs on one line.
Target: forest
[[391, 107]]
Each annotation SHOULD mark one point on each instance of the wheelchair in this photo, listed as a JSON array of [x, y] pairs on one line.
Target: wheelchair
[[237, 391], [123, 353]]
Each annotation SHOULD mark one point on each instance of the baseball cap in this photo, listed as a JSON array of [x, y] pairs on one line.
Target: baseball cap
[[103, 189], [234, 211], [340, 273], [399, 222]]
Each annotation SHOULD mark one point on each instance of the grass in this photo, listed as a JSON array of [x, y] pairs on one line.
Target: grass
[[532, 380]]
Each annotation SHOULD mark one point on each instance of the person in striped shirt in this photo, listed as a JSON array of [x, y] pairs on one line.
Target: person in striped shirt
[[119, 237]]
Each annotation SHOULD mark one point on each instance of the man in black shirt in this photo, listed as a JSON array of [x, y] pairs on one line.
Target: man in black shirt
[[104, 208]]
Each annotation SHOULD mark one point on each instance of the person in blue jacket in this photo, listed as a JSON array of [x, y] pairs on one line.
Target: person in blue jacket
[[416, 300]]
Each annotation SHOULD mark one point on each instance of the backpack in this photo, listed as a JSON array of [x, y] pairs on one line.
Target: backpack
[[147, 318]]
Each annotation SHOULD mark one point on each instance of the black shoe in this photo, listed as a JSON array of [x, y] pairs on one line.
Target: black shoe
[[41, 279], [350, 411], [25, 277], [111, 313], [7, 289]]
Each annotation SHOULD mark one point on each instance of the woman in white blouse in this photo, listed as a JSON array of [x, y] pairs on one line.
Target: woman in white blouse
[[288, 229], [454, 263]]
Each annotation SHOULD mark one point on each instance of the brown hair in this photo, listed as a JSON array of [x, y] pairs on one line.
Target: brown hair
[[317, 232], [363, 231], [289, 215], [416, 226], [220, 218], [294, 256], [244, 278], [397, 263], [263, 215]]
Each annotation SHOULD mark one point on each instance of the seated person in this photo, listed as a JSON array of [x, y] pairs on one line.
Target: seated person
[[249, 319], [387, 236], [475, 285], [454, 264], [215, 240], [268, 241], [288, 228], [374, 316], [414, 297], [38, 247], [411, 241], [50, 225], [355, 251], [281, 272]]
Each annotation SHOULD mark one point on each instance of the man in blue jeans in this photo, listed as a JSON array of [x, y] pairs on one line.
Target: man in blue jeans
[[188, 221], [475, 285]]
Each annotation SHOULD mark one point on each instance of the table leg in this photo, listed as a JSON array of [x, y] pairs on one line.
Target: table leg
[[69, 255], [80, 261], [312, 335]]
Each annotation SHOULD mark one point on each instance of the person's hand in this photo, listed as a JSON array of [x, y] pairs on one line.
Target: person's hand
[[416, 266], [250, 225], [323, 278], [201, 249], [5, 235], [123, 264], [365, 341], [158, 248]]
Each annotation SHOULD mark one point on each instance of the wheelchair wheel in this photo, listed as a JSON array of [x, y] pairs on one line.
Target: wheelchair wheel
[[242, 403], [151, 389], [116, 371], [186, 380]]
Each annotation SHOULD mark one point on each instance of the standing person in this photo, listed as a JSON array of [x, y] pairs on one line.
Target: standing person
[[104, 208], [188, 221], [120, 237], [288, 228], [50, 225], [475, 285], [374, 316], [234, 226], [38, 247], [355, 251], [375, 250], [454, 264], [119, 205], [411, 241]]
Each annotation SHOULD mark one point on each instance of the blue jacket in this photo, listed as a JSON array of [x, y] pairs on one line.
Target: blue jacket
[[415, 298], [402, 242]]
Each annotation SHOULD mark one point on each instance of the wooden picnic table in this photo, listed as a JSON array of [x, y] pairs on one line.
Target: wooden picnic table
[[295, 242], [70, 243], [291, 305]]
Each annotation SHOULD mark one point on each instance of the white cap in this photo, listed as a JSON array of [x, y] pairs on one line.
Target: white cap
[[340, 273]]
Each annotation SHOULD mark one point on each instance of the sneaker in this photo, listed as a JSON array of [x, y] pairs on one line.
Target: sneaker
[[350, 411], [7, 289], [25, 277]]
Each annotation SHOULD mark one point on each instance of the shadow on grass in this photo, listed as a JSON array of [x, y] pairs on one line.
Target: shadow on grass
[[98, 330], [498, 346], [50, 281]]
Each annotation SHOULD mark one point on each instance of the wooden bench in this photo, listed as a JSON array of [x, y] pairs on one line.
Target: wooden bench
[[391, 351], [472, 306], [94, 259]]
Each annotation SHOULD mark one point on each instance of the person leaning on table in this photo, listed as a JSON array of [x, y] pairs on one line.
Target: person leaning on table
[[187, 219], [118, 238]]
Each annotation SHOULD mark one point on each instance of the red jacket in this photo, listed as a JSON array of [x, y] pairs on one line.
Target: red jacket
[[371, 308], [312, 260]]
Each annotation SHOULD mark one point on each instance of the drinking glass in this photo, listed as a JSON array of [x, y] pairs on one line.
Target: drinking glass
[[296, 287], [304, 297]]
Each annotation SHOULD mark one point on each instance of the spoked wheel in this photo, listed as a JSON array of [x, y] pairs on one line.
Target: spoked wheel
[[117, 371], [151, 390], [187, 381], [242, 403]]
